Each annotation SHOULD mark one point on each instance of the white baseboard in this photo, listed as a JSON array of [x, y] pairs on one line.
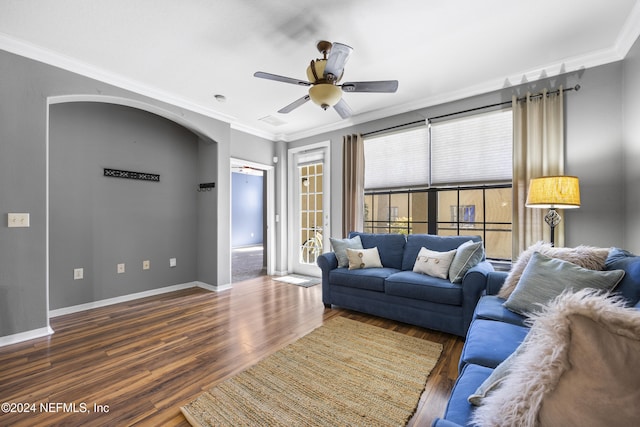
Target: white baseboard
[[41, 332], [213, 288], [124, 298], [25, 336]]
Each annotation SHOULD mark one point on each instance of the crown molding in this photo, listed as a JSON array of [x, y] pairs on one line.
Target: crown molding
[[628, 35], [55, 59]]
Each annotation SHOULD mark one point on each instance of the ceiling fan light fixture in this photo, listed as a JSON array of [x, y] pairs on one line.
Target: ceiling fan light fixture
[[325, 94], [315, 70]]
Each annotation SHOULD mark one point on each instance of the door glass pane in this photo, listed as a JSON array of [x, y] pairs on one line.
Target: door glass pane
[[310, 213]]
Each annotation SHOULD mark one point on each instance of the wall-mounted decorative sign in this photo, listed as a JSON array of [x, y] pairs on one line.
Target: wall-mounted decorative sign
[[206, 186], [142, 176]]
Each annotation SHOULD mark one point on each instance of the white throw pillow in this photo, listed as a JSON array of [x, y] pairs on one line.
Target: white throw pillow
[[363, 258], [434, 263]]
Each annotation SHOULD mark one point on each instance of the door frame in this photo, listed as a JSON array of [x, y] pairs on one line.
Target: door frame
[[269, 209], [292, 208]]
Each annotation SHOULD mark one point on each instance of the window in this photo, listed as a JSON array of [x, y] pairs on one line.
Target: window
[[459, 184]]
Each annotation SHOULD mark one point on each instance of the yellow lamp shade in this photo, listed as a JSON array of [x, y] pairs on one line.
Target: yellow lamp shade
[[554, 192]]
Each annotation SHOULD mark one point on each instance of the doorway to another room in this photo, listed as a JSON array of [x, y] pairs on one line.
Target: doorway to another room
[[248, 223]]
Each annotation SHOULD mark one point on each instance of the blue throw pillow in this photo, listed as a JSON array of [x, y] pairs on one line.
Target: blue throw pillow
[[545, 278], [629, 287]]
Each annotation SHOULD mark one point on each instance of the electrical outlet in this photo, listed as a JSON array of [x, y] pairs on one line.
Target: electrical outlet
[[146, 265], [78, 273], [120, 268], [172, 262]]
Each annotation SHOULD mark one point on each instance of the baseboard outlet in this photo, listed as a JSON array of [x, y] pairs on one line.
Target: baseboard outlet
[[124, 298], [25, 336]]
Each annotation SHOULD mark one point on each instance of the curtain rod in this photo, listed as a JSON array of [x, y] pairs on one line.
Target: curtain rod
[[537, 95]]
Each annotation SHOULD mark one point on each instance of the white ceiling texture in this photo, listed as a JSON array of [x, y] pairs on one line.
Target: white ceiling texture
[[186, 52]]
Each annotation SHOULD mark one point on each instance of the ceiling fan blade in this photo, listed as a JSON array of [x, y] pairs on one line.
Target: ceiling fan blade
[[343, 109], [269, 76], [338, 56], [384, 86], [295, 104]]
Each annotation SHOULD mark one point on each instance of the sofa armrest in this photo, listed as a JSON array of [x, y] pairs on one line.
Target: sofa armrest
[[474, 284], [327, 262], [495, 280]]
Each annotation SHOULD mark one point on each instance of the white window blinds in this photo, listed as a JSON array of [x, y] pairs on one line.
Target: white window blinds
[[397, 160], [472, 149]]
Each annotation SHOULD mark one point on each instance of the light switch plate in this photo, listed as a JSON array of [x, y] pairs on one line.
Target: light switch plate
[[18, 220]]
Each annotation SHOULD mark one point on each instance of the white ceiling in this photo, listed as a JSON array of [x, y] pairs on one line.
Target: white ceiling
[[185, 52]]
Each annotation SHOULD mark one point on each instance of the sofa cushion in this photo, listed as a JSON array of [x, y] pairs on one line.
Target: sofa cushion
[[434, 263], [415, 242], [490, 307], [589, 257], [340, 247], [363, 258], [629, 287], [427, 288], [458, 409], [371, 278], [390, 247], [490, 342], [545, 278], [468, 254]]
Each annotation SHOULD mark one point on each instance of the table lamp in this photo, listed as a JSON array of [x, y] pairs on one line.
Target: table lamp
[[554, 192]]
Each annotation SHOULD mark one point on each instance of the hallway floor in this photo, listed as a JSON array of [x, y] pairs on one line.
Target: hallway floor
[[247, 262]]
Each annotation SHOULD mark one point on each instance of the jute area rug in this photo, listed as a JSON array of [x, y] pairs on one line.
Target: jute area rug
[[345, 373]]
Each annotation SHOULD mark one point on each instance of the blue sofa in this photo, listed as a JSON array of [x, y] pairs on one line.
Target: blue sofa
[[496, 332], [396, 292]]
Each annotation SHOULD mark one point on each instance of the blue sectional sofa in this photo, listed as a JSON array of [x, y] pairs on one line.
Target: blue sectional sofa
[[396, 292], [496, 333]]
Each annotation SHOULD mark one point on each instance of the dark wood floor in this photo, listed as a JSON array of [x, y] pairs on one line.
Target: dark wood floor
[[140, 361]]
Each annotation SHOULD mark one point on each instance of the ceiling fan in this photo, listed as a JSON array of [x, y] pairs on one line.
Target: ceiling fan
[[324, 75]]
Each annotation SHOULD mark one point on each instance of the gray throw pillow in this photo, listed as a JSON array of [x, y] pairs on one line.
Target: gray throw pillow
[[468, 255], [495, 379], [340, 247], [545, 278]]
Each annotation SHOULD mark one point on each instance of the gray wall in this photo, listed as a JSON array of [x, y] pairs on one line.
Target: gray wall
[[594, 149], [26, 89], [631, 146], [97, 222]]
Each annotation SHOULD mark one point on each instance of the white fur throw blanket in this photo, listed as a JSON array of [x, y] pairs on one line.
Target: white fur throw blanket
[[579, 365]]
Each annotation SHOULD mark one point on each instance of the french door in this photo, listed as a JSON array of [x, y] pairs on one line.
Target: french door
[[310, 209]]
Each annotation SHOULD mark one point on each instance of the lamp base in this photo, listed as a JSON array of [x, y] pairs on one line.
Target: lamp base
[[552, 218]]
